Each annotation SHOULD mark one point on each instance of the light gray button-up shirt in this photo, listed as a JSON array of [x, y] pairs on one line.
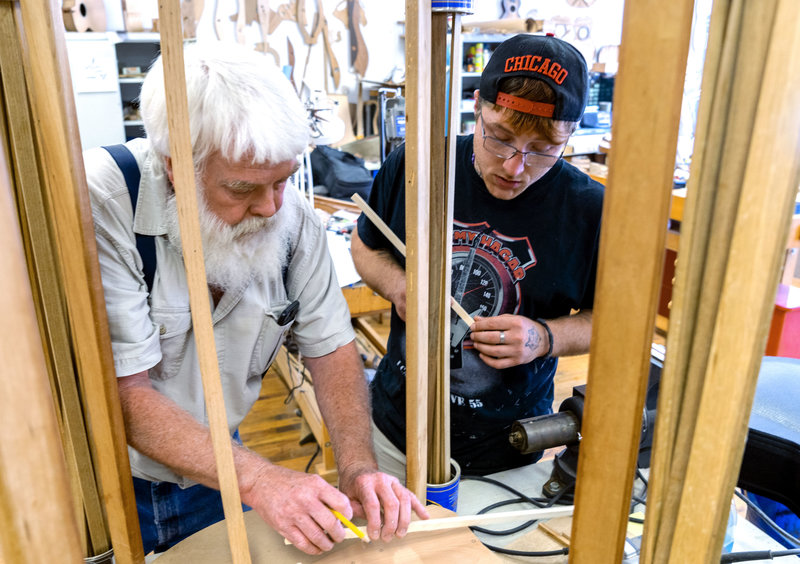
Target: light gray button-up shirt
[[153, 331]]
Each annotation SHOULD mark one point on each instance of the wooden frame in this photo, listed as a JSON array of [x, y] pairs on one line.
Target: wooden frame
[[186, 197], [647, 102], [53, 109], [32, 469], [417, 172]]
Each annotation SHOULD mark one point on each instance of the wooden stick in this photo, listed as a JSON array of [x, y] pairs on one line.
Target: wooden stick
[[753, 269], [699, 271], [53, 108], [379, 223], [444, 523], [49, 292], [440, 242], [186, 196], [417, 184], [400, 246], [37, 523], [645, 131], [563, 540]]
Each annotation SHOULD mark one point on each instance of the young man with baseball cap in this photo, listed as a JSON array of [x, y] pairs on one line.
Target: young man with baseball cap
[[526, 229]]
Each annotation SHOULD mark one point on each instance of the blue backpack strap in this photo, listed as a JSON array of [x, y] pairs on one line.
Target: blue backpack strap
[[145, 244]]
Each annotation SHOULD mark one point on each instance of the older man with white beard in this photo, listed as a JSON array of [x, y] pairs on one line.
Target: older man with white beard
[[265, 251]]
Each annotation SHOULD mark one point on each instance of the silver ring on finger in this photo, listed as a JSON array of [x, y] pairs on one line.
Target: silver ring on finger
[[502, 337]]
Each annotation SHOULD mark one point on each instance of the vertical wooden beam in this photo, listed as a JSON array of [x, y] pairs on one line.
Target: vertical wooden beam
[[418, 149], [746, 302], [439, 274], [180, 147], [37, 523], [647, 102], [48, 288], [59, 146]]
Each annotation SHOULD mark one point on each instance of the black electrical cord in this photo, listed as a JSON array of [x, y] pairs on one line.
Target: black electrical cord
[[521, 498], [311, 460], [772, 524], [757, 555], [295, 387]]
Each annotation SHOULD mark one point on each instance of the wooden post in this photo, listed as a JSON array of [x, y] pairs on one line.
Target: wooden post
[[48, 292], [59, 144], [441, 227], [749, 277], [418, 110], [647, 102], [180, 146], [37, 523]]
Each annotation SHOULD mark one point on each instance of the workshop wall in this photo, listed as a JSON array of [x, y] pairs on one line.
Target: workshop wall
[[589, 24]]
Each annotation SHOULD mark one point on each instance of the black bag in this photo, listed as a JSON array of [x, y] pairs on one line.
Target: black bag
[[342, 173]]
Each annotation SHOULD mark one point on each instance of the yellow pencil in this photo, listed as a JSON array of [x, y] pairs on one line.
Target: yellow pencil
[[346, 522]]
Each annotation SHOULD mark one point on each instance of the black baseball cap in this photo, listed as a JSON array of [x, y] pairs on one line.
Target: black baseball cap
[[543, 57]]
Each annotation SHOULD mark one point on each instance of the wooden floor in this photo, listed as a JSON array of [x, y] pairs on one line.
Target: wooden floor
[[274, 428]]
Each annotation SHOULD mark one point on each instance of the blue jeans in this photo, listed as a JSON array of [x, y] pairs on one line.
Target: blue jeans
[[169, 514]]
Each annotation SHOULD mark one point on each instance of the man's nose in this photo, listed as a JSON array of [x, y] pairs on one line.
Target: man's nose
[[515, 165], [266, 205]]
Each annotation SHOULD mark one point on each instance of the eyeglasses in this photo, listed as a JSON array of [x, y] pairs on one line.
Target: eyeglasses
[[505, 151]]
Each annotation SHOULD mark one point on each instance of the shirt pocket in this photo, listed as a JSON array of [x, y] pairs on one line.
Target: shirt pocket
[[175, 333], [269, 340]]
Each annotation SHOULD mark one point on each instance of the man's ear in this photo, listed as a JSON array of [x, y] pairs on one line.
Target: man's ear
[[168, 164], [477, 100]]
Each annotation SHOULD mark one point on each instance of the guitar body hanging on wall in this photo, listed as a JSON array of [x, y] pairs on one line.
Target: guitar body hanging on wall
[[510, 9], [84, 15]]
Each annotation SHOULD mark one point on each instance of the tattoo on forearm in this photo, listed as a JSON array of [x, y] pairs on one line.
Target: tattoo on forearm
[[533, 340]]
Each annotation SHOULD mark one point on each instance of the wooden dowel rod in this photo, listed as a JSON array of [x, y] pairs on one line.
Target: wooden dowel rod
[[443, 523], [398, 244], [376, 219], [186, 196]]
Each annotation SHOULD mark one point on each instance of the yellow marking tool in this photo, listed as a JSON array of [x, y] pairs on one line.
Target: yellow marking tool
[[346, 522]]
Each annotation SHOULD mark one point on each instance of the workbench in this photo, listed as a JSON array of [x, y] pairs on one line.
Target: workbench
[[475, 495], [267, 546]]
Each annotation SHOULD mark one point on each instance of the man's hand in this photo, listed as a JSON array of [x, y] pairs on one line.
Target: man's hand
[[508, 340], [373, 493], [298, 506]]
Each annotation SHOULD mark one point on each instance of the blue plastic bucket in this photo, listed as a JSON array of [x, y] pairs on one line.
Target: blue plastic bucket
[[462, 6], [445, 495]]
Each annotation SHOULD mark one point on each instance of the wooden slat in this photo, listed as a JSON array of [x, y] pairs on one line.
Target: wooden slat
[[67, 197], [186, 196], [371, 334], [49, 295], [37, 523], [753, 270], [298, 380], [709, 211], [417, 175], [647, 102], [438, 351]]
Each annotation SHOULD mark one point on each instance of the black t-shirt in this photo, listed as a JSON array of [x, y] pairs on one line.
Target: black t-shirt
[[534, 255]]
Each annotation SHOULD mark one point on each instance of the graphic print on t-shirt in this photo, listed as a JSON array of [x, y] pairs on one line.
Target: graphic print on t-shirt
[[487, 268]]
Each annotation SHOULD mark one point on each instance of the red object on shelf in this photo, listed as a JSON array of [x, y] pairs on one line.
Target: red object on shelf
[[784, 332]]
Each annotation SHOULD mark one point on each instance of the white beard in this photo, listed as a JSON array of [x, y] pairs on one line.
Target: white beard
[[236, 254]]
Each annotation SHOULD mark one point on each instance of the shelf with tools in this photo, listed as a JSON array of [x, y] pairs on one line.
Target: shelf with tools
[[135, 53], [476, 48]]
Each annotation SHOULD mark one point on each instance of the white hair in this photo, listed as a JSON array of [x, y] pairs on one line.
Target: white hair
[[240, 104]]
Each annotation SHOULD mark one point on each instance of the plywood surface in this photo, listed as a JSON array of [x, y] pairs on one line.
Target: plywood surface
[[267, 547]]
